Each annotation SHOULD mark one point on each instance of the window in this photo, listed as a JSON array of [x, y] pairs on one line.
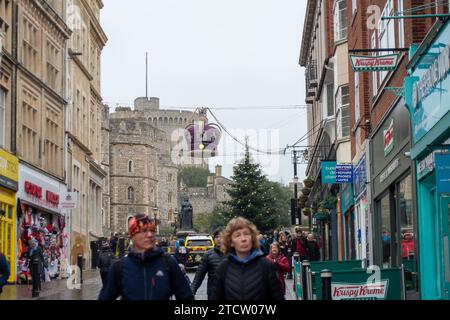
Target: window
[[406, 217], [169, 177], [130, 166], [357, 102], [401, 25], [131, 194], [386, 33], [169, 198], [354, 6], [385, 215], [343, 112], [340, 20], [2, 117], [53, 142], [53, 62], [30, 44], [330, 100], [30, 144]]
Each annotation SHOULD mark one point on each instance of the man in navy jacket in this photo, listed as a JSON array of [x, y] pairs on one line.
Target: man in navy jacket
[[4, 271], [146, 273]]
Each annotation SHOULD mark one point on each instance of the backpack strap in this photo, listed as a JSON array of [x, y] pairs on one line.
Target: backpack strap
[[118, 273], [267, 270], [169, 270]]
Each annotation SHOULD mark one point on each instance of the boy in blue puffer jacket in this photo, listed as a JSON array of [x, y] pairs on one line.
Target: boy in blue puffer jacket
[[146, 273]]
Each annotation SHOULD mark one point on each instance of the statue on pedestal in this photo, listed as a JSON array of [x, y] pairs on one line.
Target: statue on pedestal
[[186, 215]]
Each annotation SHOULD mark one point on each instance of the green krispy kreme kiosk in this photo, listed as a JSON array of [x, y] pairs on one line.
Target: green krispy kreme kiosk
[[351, 281]]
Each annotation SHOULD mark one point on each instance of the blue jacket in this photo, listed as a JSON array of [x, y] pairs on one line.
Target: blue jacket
[[4, 271], [146, 277]]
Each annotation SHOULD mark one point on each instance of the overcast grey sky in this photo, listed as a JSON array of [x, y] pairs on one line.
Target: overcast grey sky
[[214, 53]]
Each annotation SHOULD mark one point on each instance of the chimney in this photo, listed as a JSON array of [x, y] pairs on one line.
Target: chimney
[[218, 170]]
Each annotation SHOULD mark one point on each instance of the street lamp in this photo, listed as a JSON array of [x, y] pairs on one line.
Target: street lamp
[[296, 213], [155, 215], [175, 222]]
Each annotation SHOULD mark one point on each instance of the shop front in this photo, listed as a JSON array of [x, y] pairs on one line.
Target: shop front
[[347, 222], [41, 219], [361, 212], [9, 177], [392, 189], [427, 93]]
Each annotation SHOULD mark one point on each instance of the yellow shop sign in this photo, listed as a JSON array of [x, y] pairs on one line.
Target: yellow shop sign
[[9, 170]]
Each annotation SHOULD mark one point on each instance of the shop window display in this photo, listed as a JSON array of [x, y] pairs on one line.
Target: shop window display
[[385, 231], [406, 218], [49, 231]]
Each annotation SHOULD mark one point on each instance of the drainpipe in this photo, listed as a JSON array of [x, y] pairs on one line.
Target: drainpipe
[[14, 37]]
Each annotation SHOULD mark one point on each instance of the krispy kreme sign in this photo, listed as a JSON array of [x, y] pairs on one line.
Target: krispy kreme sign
[[377, 63], [362, 291]]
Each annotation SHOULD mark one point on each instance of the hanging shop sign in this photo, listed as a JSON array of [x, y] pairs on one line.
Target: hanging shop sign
[[344, 173], [374, 63], [347, 199], [69, 200], [328, 172], [426, 89], [389, 139], [442, 166], [9, 170], [360, 177]]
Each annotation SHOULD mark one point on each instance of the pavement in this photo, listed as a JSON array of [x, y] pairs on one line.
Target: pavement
[[90, 289]]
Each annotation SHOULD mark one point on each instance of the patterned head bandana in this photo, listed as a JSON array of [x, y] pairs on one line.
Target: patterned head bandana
[[139, 223]]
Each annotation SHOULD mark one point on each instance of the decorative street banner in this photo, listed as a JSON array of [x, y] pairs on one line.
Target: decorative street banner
[[328, 172], [344, 173], [374, 63], [442, 166], [360, 177]]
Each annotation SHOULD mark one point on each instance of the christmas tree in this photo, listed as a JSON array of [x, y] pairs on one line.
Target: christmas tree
[[252, 196]]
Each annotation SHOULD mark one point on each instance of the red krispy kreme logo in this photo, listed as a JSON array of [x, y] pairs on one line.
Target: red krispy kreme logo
[[352, 291], [33, 190], [375, 62], [52, 198]]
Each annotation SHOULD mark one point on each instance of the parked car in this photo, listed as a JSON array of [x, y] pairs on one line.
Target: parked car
[[197, 246]]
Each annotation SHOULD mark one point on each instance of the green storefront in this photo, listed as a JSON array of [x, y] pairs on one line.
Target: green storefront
[[427, 95]]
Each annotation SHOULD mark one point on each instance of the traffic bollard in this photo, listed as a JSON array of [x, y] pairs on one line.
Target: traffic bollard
[[326, 284], [35, 278], [296, 257], [305, 269], [80, 266]]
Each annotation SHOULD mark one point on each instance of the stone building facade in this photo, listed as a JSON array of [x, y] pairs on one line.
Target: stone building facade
[[106, 196], [173, 123], [133, 168], [86, 174], [205, 200], [50, 110], [143, 177]]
